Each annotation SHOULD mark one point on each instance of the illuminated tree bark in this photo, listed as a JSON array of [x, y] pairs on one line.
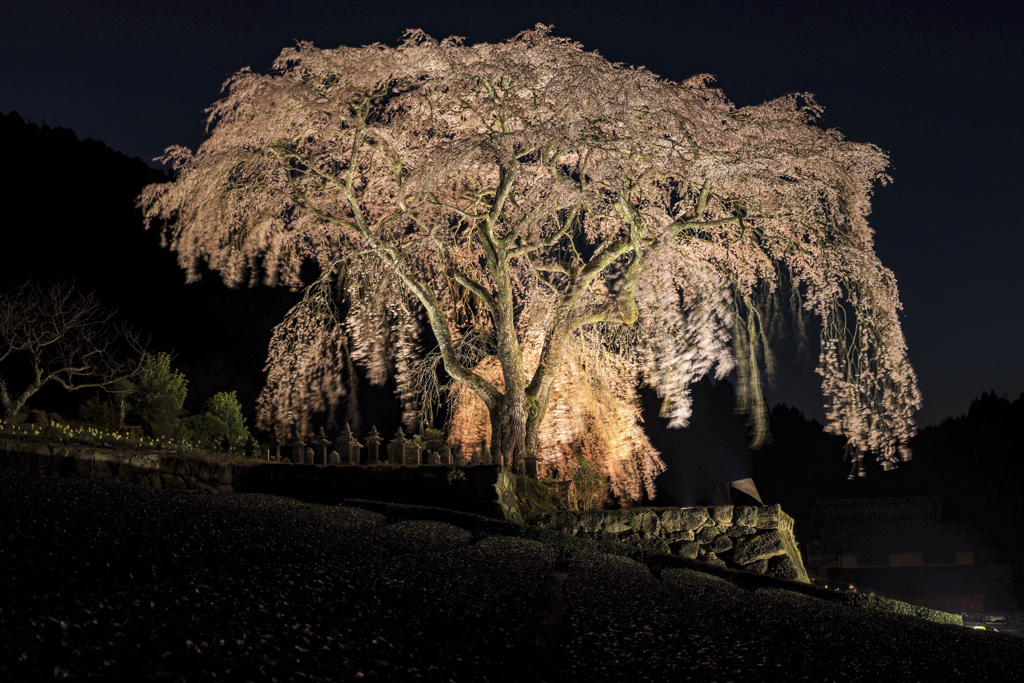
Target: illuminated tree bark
[[532, 187], [593, 411]]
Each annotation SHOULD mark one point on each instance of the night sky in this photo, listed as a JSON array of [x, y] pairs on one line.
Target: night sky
[[938, 85]]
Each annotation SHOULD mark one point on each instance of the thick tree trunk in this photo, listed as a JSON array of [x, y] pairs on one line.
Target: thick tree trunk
[[508, 435], [508, 417]]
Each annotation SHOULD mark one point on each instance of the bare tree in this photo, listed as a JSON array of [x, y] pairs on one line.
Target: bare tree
[[67, 338], [532, 190]]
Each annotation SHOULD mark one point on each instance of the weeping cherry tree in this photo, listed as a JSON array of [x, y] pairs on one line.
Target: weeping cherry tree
[[536, 204]]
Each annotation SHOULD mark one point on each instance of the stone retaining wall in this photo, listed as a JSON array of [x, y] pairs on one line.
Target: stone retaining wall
[[753, 538], [155, 469], [466, 489]]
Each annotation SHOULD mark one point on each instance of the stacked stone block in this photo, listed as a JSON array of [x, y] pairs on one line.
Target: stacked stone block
[[752, 538]]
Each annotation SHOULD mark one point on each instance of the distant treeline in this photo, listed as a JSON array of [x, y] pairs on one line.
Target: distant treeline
[[974, 463], [965, 460]]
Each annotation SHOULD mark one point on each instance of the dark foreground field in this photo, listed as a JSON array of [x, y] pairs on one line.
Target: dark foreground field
[[115, 582]]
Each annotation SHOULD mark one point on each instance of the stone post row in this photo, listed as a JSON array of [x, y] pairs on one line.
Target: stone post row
[[348, 450]]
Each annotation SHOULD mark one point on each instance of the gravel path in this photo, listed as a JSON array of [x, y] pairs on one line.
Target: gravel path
[[116, 582]]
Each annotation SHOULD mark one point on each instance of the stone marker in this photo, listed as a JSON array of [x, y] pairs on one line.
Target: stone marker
[[321, 442], [373, 446], [412, 453], [396, 448], [347, 447]]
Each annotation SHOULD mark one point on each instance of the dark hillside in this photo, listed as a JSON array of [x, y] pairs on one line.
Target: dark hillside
[[119, 582], [69, 214]]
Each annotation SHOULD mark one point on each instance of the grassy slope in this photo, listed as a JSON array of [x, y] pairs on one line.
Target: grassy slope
[[128, 583]]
